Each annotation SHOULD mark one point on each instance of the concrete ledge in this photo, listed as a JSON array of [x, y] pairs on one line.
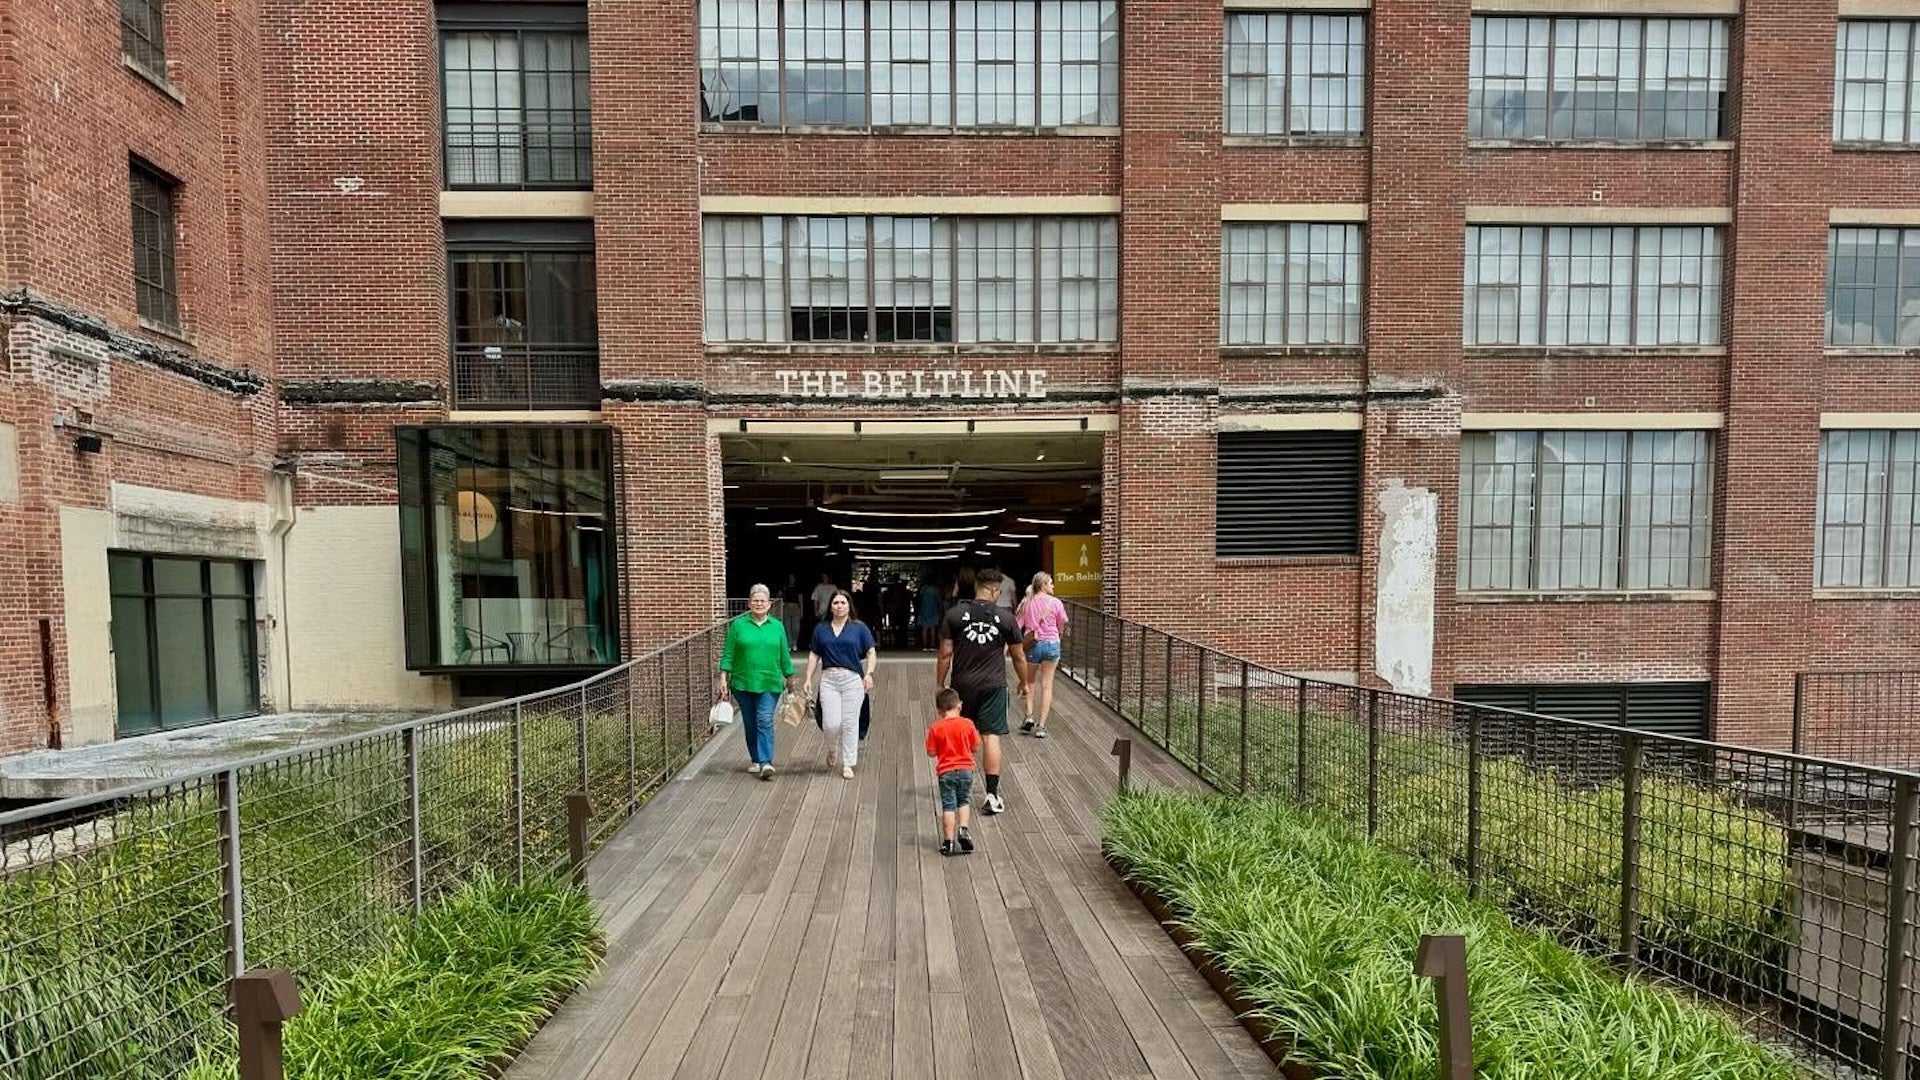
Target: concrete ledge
[[1599, 215], [1902, 421], [1293, 212], [1291, 421], [516, 204], [1587, 596], [910, 204], [1592, 421], [1622, 8], [1879, 9], [1872, 215]]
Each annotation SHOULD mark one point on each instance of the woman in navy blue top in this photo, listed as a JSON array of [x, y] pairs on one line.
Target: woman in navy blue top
[[844, 647]]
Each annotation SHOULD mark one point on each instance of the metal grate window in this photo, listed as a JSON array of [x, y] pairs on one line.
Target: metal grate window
[[516, 108], [1293, 283], [1873, 82], [143, 34], [524, 325], [935, 63], [1668, 708], [918, 279], [1592, 285], [1606, 80], [1584, 510], [155, 281], [1280, 493], [1296, 74], [1869, 494], [1873, 287]]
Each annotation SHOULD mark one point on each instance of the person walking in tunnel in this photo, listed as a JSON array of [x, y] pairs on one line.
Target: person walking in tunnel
[[927, 612], [977, 637], [755, 664], [844, 647], [1042, 617]]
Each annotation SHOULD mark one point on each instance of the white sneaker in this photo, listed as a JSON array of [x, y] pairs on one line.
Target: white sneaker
[[754, 769], [846, 772], [766, 772], [993, 804]]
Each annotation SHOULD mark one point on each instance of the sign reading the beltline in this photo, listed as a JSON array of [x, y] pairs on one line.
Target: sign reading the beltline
[[911, 384]]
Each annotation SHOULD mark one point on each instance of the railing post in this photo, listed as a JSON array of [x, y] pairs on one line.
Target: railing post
[[262, 1001], [1632, 757], [416, 869], [1796, 772], [1896, 969], [686, 665], [666, 738], [1140, 714], [1444, 960], [1123, 749], [1200, 721], [580, 742], [1244, 691], [1473, 802], [579, 814], [1373, 762], [232, 898], [1166, 702], [1300, 744], [633, 741], [517, 766]]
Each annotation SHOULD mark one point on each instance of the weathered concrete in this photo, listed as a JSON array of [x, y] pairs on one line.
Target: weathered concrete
[[58, 774]]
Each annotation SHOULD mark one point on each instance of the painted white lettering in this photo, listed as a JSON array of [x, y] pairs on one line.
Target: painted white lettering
[[872, 379], [946, 384], [918, 390], [896, 384], [786, 380], [966, 385], [813, 383], [1036, 383], [836, 384]]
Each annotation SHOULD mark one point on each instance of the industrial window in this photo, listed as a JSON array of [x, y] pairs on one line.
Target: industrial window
[[1627, 80], [938, 63], [1292, 283], [183, 641], [1666, 708], [1873, 83], [1873, 287], [516, 101], [1869, 494], [1592, 285], [1296, 74], [155, 274], [911, 279], [525, 330], [1584, 510], [1287, 493], [143, 34]]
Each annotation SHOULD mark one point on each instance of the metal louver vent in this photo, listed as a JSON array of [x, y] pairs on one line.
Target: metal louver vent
[[1668, 708], [1287, 493]]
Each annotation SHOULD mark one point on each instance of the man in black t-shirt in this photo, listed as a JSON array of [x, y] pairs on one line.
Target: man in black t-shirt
[[976, 638]]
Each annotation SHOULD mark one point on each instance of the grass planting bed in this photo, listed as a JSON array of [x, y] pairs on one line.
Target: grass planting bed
[[1316, 930]]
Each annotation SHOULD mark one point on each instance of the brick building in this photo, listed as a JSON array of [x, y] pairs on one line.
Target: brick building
[[1549, 354]]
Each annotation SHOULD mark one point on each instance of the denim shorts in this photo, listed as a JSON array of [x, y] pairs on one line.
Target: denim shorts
[[1043, 651], [955, 789]]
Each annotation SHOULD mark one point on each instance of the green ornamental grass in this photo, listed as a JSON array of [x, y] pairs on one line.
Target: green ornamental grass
[[1320, 929]]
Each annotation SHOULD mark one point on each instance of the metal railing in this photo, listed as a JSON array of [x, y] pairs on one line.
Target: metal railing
[[124, 915], [1779, 886], [1872, 717], [515, 376], [548, 148]]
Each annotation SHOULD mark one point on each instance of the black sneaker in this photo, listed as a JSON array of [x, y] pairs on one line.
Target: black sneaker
[[1027, 727], [966, 841], [946, 847]]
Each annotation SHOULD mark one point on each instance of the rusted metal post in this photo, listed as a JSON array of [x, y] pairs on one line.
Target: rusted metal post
[[1123, 749], [579, 813], [517, 765], [1140, 714], [1443, 958], [1166, 701], [1200, 722], [1244, 680], [1300, 743], [1373, 762], [262, 1001], [1473, 802], [1897, 966], [633, 743], [581, 735], [1632, 756]]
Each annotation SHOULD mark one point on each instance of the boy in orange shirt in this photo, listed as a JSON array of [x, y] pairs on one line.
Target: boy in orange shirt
[[951, 742]]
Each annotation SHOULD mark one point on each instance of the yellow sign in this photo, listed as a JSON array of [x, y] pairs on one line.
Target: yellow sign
[[1076, 565]]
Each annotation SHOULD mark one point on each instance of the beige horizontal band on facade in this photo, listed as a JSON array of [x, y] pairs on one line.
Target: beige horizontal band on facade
[[907, 205], [1872, 215], [1300, 421], [1297, 5], [516, 204], [1866, 421], [1599, 215], [918, 428], [1293, 212], [519, 416], [1622, 8], [1592, 421], [1880, 9]]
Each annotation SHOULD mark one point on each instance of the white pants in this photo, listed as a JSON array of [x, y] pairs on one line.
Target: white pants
[[841, 692]]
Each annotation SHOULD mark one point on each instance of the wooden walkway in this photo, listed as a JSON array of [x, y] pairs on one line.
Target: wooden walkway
[[809, 927]]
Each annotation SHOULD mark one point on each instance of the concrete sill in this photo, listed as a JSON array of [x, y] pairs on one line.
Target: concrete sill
[[1883, 352], [1855, 146], [1866, 594], [1256, 352], [1257, 562], [911, 130], [1548, 352], [171, 333], [865, 348], [1297, 142], [1599, 144], [1622, 596], [155, 79]]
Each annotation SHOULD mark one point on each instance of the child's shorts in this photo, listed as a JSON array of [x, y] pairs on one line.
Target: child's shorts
[[955, 789]]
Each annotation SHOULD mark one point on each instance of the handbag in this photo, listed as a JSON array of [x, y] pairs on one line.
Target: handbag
[[720, 715], [866, 715], [791, 707]]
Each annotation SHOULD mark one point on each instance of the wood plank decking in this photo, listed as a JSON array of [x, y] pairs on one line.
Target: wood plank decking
[[808, 927]]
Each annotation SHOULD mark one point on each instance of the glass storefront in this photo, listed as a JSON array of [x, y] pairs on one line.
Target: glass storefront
[[183, 641], [507, 546]]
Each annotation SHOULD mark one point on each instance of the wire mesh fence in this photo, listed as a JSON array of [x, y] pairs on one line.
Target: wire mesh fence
[[1863, 716], [124, 914], [1778, 886]]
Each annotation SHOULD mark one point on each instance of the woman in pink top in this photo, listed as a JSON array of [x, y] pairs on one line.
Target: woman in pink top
[[1041, 616]]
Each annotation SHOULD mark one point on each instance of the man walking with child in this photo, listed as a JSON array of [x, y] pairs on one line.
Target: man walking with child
[[977, 637]]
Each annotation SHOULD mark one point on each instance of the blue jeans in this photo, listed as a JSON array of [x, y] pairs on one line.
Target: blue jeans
[[955, 789], [756, 722]]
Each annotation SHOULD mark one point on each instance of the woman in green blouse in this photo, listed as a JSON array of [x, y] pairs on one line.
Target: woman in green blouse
[[755, 665]]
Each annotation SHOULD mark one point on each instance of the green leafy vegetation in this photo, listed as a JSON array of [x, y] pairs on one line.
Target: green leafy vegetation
[[1320, 928]]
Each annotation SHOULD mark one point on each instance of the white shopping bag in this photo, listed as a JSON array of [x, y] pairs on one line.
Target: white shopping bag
[[720, 715]]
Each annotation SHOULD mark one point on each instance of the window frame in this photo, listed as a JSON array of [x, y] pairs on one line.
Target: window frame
[[1354, 241], [155, 194], [1904, 238], [499, 241], [1289, 18], [521, 21], [145, 47], [1639, 87], [149, 596], [1617, 535], [1902, 447], [1535, 268], [1910, 83]]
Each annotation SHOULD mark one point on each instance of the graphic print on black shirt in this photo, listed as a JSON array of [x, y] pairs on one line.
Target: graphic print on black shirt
[[980, 633]]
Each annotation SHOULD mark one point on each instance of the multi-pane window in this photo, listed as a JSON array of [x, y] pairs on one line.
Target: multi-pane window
[[155, 284], [516, 105], [184, 644], [143, 34], [911, 279], [1873, 287], [1592, 285], [1290, 283], [525, 331], [1873, 85], [1869, 535], [1596, 79], [1295, 74], [896, 63], [1578, 510]]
